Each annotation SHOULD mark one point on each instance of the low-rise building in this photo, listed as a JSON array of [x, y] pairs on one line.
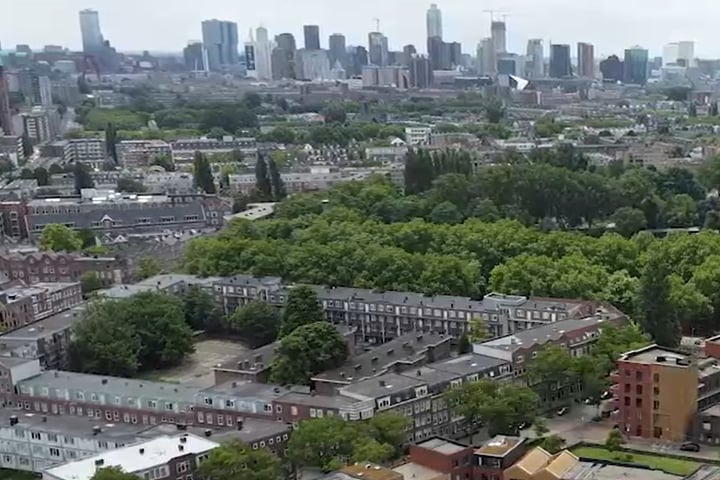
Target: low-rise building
[[184, 149], [497, 455], [159, 458], [418, 135], [294, 182], [23, 305], [116, 212], [33, 266], [141, 153]]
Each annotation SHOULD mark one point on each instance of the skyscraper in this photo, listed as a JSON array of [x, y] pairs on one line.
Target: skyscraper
[[535, 58], [487, 57], [586, 60], [560, 65], [337, 50], [360, 59], [283, 57], [377, 49], [498, 31], [5, 116], [92, 38], [194, 55], [434, 22], [421, 74], [263, 67], [679, 53], [636, 66], [312, 37], [221, 43], [409, 51], [612, 69]]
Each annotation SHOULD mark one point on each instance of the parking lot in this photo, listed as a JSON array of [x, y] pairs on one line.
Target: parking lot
[[197, 368]]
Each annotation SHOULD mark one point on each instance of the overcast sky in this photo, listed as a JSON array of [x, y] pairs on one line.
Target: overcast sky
[[167, 25]]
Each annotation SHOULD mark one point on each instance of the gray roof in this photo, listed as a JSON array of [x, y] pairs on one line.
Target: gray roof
[[525, 339], [263, 355], [408, 349], [248, 389], [125, 387], [322, 401], [443, 446], [387, 384], [49, 326], [251, 281], [71, 425], [468, 364], [432, 376], [601, 471], [705, 472], [254, 429]]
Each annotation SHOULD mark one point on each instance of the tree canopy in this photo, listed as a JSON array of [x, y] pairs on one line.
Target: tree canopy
[[59, 238], [238, 461]]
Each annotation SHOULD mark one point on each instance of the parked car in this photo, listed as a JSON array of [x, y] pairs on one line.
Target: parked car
[[524, 426], [690, 447], [562, 411], [605, 395]]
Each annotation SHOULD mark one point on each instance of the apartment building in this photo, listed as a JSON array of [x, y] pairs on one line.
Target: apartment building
[[11, 148], [184, 149], [46, 340], [418, 135], [34, 442], [176, 456], [33, 266], [382, 316], [13, 218], [175, 284], [115, 212], [87, 151], [294, 182], [25, 305], [645, 391], [142, 153], [496, 455]]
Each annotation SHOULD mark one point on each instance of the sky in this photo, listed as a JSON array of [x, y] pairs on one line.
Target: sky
[[167, 25]]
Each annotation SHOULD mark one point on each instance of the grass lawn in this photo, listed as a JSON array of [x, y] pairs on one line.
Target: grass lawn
[[15, 475], [672, 466]]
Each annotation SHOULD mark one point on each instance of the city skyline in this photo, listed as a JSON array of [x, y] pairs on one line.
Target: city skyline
[[614, 25]]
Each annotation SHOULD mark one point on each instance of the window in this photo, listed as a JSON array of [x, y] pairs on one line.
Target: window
[[627, 401], [638, 402], [656, 377], [638, 389], [55, 452], [638, 376], [656, 404], [35, 435], [103, 444], [52, 438], [168, 406]]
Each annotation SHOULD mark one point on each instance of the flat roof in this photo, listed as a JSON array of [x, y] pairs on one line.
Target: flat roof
[[415, 471], [48, 326], [253, 429], [600, 471], [371, 471], [156, 452], [323, 401], [248, 389], [656, 355], [443, 446], [383, 385], [126, 387], [71, 425], [499, 446], [468, 364]]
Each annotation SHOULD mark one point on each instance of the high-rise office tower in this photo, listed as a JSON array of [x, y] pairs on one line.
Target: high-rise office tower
[[535, 58], [360, 59], [5, 116], [337, 51], [420, 72], [439, 53], [377, 49], [283, 57], [612, 69], [409, 51], [312, 37], [498, 32], [35, 87], [487, 57], [263, 53], [586, 60], [454, 51], [679, 53], [636, 66], [194, 56], [560, 64], [92, 38], [434, 22], [220, 39]]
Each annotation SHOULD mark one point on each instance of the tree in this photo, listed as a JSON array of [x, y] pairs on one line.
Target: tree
[[540, 427], [390, 429], [164, 161], [628, 221], [111, 142], [464, 344], [130, 185], [217, 133], [147, 267], [494, 110], [501, 407], [276, 182], [42, 177], [256, 322], [103, 346], [552, 444], [654, 307], [321, 442], [90, 281], [59, 238], [82, 178], [263, 186], [237, 461], [203, 174], [302, 308], [87, 237], [308, 350], [446, 213], [550, 372], [478, 330], [614, 440], [201, 312], [334, 113], [113, 473]]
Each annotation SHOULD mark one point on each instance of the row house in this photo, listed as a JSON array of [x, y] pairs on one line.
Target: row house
[[38, 267], [382, 316], [26, 305]]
